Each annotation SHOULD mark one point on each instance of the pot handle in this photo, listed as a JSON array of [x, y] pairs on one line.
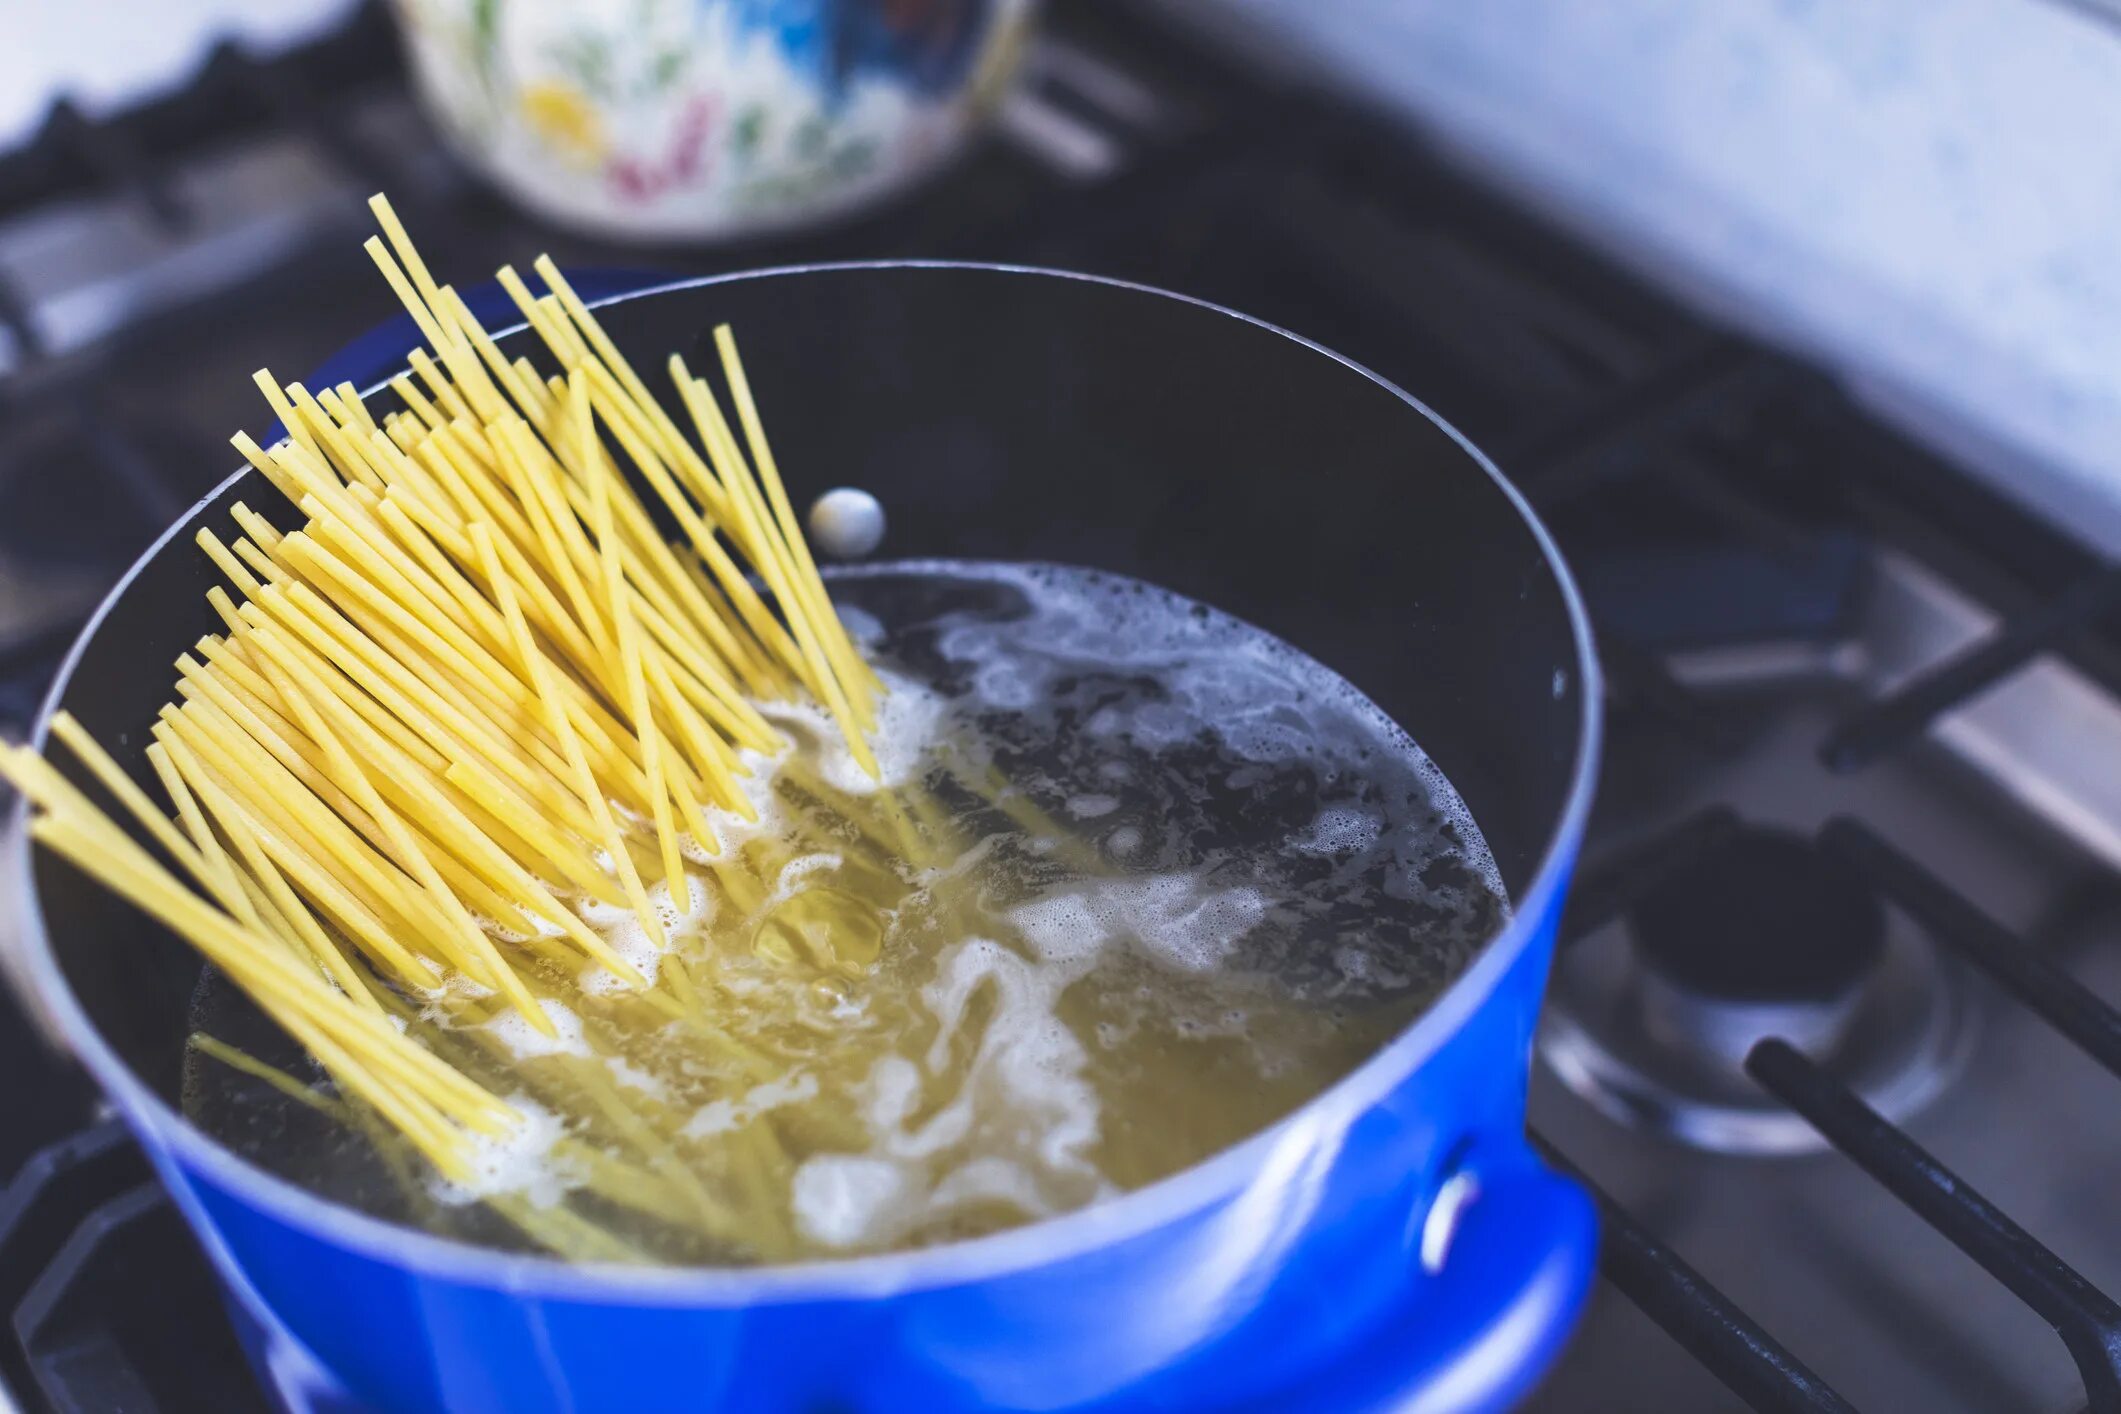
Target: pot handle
[[1509, 1247]]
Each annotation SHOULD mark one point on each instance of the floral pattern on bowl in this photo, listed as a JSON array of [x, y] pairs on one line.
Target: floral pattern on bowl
[[686, 119]]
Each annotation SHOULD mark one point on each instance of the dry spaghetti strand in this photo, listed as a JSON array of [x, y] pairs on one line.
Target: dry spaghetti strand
[[466, 697]]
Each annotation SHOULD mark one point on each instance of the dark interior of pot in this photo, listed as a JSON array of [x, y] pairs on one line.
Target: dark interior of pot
[[1015, 416]]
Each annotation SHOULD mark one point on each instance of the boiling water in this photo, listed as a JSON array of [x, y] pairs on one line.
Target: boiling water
[[1139, 880]]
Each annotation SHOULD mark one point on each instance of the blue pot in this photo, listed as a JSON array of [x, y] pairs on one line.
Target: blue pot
[[1391, 1245]]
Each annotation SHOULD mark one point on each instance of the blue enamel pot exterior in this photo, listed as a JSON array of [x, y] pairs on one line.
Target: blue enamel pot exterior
[[1391, 1245]]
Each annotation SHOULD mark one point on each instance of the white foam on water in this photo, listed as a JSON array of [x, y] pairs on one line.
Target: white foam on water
[[965, 863], [910, 717], [770, 820], [1363, 968], [526, 1042], [1021, 1117], [1065, 928], [844, 1199], [790, 880], [1188, 925], [1339, 830], [629, 1074], [621, 930], [1028, 1069], [721, 1116], [518, 1161], [1023, 1112], [1176, 918], [1263, 700]]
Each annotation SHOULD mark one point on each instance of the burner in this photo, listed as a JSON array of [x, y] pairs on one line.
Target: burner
[[1763, 934], [1798, 935]]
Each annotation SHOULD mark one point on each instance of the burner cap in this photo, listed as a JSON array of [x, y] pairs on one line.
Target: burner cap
[[1763, 934], [1762, 916]]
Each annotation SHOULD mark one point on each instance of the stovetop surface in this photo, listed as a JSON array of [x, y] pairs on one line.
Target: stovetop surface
[[1810, 627]]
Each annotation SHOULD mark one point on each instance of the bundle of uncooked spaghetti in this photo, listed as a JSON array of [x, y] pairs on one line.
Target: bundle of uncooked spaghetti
[[474, 697]]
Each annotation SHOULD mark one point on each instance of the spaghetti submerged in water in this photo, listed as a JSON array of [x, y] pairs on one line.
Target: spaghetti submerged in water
[[667, 918]]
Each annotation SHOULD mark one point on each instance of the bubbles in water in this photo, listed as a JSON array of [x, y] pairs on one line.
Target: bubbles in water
[[1137, 881], [627, 1073], [525, 1041], [520, 1162], [1338, 830], [723, 1115], [1174, 917], [841, 1199], [1267, 847], [906, 724]]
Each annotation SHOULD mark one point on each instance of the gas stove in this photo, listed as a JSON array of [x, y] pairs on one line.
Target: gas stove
[[1832, 1034]]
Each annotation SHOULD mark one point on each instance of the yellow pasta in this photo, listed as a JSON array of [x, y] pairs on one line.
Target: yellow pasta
[[471, 698]]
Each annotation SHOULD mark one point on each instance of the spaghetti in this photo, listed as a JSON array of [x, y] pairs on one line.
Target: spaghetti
[[624, 913], [472, 695]]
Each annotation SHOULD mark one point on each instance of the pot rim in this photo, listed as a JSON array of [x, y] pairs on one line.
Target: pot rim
[[1034, 1244]]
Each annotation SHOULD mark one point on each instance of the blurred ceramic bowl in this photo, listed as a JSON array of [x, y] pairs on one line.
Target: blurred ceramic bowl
[[692, 119]]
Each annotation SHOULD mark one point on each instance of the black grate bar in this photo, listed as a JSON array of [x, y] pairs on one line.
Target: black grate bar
[[1953, 920], [102, 1222], [1371, 259], [1572, 454], [1712, 492], [15, 317], [43, 1204], [117, 1383], [1705, 1322], [1642, 680], [1899, 716], [72, 156], [2085, 1317], [116, 162], [1612, 883]]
